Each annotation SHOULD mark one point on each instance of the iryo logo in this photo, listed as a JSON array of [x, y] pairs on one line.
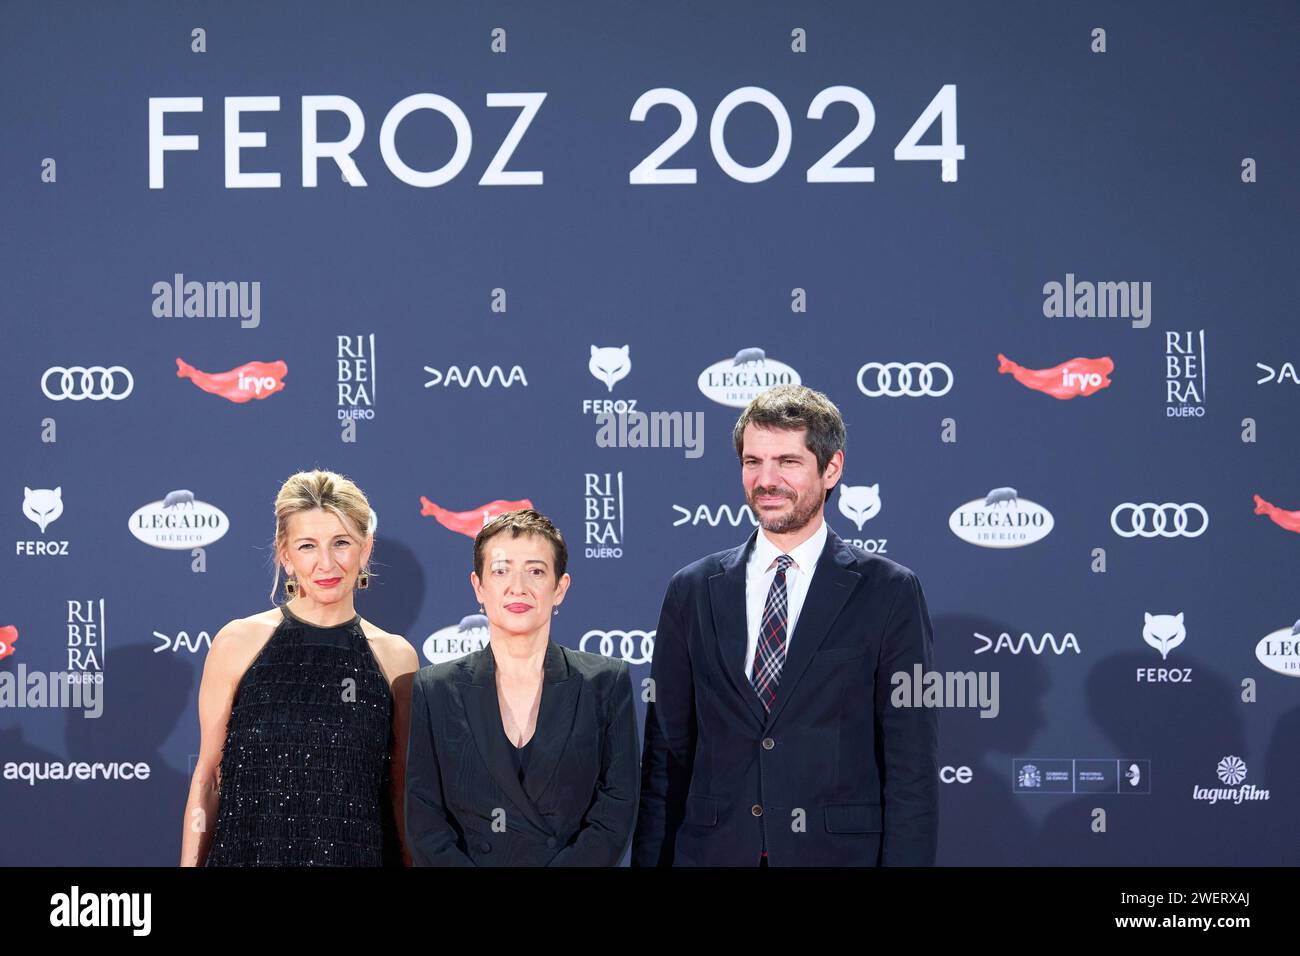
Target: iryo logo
[[470, 522], [1078, 376], [8, 635], [252, 380]]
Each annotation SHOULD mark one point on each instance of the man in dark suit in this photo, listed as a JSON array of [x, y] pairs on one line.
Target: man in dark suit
[[771, 739]]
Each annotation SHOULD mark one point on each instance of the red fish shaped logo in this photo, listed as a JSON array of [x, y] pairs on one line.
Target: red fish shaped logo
[[1283, 519], [242, 384], [8, 634], [1079, 376], [470, 522]]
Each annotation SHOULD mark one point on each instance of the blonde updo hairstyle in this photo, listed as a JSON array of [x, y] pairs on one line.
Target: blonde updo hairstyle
[[326, 490]]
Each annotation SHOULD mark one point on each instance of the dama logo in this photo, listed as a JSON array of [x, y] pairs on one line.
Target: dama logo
[[182, 640], [1278, 375], [714, 516], [470, 522], [1078, 376], [1004, 642], [8, 635], [454, 376], [244, 383], [1283, 519]]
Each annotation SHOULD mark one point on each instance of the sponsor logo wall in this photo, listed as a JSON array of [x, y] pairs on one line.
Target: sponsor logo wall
[[931, 242]]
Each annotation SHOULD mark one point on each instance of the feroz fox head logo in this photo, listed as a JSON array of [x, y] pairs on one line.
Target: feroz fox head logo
[[859, 503], [610, 365], [1164, 632], [43, 505]]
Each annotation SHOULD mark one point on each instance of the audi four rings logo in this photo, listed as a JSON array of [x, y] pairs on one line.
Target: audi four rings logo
[[94, 382], [635, 647], [898, 379], [1135, 517]]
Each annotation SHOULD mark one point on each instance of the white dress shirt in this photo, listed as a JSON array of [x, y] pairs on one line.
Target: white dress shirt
[[760, 572]]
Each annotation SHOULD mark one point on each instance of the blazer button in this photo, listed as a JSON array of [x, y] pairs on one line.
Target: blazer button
[[485, 846], [768, 743], [550, 842], [756, 810]]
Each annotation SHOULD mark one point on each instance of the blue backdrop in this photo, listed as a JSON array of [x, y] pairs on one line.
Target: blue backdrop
[[1140, 157]]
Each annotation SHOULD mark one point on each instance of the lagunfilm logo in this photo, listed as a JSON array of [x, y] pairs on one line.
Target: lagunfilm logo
[[1001, 519], [1231, 770], [738, 380], [1278, 651], [456, 640], [179, 521]]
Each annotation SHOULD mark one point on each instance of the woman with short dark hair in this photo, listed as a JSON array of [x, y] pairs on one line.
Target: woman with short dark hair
[[523, 753]]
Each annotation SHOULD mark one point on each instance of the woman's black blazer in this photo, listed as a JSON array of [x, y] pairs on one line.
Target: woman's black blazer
[[576, 806]]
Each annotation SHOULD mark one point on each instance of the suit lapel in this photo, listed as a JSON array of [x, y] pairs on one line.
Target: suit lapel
[[727, 600], [483, 713], [555, 715], [831, 586]]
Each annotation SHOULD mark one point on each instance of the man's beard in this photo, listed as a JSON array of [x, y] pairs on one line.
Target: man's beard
[[783, 524]]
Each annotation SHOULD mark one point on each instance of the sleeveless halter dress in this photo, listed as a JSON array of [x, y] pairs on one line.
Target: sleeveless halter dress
[[305, 773]]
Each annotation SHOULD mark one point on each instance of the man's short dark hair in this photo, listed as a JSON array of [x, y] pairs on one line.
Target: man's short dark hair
[[792, 407]]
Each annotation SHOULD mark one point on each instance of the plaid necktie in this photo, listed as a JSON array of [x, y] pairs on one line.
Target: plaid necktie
[[769, 653]]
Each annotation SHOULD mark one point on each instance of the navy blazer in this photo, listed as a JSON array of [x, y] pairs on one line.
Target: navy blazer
[[465, 804], [833, 775]]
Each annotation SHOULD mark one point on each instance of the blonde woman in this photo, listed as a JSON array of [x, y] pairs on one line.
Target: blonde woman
[[303, 709]]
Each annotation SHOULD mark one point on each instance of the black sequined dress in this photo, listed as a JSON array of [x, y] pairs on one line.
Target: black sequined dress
[[305, 773]]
